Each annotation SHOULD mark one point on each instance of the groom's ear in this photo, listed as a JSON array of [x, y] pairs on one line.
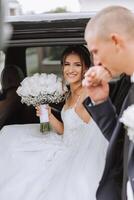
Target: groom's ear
[[117, 40]]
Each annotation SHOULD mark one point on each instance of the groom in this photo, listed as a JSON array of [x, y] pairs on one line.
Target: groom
[[110, 39]]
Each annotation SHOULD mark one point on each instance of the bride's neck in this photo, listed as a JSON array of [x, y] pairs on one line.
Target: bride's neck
[[75, 89]]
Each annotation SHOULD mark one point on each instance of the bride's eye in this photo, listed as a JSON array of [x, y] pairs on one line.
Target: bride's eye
[[72, 64], [66, 64], [78, 65]]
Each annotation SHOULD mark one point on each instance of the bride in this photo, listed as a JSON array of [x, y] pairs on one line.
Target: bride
[[65, 164]]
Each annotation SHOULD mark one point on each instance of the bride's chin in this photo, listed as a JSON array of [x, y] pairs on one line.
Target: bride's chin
[[70, 81]]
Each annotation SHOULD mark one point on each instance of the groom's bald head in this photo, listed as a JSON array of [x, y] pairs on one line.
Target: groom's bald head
[[113, 19]]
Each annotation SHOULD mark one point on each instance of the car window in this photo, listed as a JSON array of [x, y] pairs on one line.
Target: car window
[[44, 59], [2, 63]]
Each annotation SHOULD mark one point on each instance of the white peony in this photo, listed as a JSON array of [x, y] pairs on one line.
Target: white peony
[[128, 120]]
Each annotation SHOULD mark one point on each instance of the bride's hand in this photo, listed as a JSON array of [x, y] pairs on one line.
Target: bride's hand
[[37, 108], [96, 83], [95, 75], [38, 111]]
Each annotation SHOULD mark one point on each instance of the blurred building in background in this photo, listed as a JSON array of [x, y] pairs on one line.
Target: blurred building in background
[[90, 5], [14, 8]]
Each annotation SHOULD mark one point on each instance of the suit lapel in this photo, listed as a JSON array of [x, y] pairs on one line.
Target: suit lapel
[[131, 95]]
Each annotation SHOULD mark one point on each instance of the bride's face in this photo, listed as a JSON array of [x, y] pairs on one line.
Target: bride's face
[[73, 68]]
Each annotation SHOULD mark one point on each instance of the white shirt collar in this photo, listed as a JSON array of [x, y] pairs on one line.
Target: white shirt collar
[[132, 78]]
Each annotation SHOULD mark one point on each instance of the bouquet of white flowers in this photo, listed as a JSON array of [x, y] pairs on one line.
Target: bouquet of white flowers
[[42, 89]]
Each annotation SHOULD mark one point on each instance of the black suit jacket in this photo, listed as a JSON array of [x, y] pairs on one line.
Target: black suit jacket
[[107, 119], [130, 160]]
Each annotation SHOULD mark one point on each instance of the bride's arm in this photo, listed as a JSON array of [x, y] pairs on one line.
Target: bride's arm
[[80, 109], [55, 123]]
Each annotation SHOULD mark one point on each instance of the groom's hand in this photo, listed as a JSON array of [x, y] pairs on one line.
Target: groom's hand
[[96, 83]]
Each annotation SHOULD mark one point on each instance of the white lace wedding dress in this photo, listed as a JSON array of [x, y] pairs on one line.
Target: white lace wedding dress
[[52, 167]]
